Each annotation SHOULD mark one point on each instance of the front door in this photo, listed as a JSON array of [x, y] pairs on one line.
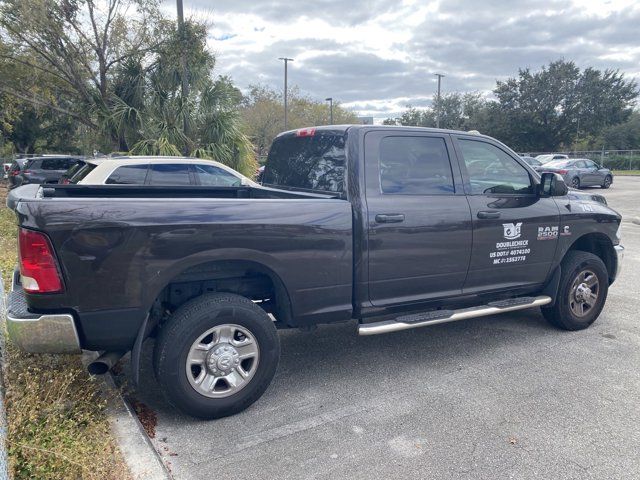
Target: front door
[[515, 231], [419, 224]]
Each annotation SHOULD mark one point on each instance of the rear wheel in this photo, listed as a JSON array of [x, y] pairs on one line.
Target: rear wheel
[[607, 181], [216, 355], [575, 182], [582, 292]]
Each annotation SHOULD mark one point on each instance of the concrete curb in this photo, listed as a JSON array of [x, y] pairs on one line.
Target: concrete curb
[[4, 460], [139, 453]]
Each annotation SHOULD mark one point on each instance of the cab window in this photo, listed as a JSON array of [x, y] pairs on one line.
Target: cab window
[[491, 170], [412, 165]]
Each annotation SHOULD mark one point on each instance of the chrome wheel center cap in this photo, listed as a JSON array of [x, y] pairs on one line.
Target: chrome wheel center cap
[[582, 292], [222, 359]]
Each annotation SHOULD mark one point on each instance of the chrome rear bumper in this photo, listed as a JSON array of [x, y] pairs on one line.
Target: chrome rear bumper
[[39, 333]]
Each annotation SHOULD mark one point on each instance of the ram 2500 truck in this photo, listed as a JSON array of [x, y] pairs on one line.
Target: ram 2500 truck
[[394, 228]]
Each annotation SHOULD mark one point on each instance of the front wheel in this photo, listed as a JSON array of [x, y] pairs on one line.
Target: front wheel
[[607, 181], [582, 292], [216, 355]]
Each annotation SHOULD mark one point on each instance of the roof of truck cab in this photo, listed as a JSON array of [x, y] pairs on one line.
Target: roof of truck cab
[[347, 127]]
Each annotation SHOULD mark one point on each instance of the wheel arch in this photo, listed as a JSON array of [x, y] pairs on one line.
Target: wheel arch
[[239, 273], [601, 246]]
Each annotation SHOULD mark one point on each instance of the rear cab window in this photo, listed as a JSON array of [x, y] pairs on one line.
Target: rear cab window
[[308, 160]]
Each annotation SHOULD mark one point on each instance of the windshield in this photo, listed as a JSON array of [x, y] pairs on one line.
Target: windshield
[[311, 162]]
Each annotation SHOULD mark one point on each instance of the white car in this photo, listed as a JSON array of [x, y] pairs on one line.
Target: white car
[[551, 156], [168, 171]]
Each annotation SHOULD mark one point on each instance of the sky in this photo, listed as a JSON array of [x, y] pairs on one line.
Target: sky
[[377, 57]]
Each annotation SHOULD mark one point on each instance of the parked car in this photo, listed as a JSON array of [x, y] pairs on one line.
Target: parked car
[[170, 171], [413, 227], [580, 172], [532, 161], [44, 169], [551, 156]]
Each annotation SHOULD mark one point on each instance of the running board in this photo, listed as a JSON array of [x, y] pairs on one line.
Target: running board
[[435, 317]]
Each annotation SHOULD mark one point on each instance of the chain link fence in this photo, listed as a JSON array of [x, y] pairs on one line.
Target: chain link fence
[[613, 159]]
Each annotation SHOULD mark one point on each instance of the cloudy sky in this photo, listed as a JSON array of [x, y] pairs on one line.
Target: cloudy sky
[[378, 56]]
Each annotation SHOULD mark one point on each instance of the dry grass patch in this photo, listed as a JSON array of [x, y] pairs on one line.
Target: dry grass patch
[[57, 426]]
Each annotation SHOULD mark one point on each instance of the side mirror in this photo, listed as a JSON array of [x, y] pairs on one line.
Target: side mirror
[[552, 185]]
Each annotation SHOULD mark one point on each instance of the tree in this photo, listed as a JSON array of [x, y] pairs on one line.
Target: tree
[[264, 115], [550, 108]]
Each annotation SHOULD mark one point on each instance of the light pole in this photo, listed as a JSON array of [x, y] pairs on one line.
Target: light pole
[[439, 75], [185, 77], [330, 100], [286, 61]]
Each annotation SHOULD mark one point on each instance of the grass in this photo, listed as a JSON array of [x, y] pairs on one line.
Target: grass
[[57, 426], [626, 172]]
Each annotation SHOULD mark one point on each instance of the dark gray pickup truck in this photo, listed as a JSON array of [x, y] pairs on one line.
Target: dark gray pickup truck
[[392, 227]]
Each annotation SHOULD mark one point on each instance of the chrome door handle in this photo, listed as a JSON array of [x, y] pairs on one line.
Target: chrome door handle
[[488, 214], [389, 218]]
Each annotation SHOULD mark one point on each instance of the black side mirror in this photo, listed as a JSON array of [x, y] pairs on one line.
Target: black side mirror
[[552, 185]]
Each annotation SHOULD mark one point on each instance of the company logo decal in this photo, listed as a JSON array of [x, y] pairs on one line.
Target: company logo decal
[[512, 230]]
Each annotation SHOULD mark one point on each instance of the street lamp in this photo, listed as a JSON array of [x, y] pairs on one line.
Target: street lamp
[[286, 61], [330, 100], [439, 75]]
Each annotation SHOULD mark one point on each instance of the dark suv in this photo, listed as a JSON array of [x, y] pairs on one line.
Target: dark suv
[[41, 170]]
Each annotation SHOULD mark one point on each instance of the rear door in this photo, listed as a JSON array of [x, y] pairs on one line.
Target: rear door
[[515, 231], [176, 174], [419, 224]]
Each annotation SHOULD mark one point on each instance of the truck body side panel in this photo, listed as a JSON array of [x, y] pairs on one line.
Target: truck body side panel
[[127, 250]]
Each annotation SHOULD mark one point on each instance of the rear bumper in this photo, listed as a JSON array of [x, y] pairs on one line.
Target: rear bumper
[[39, 333]]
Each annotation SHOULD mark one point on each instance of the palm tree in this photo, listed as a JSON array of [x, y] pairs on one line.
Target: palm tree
[[147, 111]]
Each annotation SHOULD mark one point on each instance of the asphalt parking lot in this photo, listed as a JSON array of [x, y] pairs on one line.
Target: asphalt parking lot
[[497, 397]]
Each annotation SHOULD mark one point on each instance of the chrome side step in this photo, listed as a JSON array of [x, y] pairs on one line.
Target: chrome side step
[[407, 322]]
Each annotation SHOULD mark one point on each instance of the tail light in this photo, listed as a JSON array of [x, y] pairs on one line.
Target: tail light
[[562, 172], [39, 272], [15, 172], [26, 171]]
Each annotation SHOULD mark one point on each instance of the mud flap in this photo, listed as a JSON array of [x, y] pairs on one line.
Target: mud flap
[[551, 289]]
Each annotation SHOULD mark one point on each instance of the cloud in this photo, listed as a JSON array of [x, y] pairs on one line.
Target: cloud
[[377, 56]]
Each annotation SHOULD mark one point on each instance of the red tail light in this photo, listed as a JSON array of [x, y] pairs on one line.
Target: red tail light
[[26, 171], [39, 271], [306, 132], [562, 172], [15, 172]]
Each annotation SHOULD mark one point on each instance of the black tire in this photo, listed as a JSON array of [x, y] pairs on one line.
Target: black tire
[[575, 182], [186, 325], [561, 314], [607, 181]]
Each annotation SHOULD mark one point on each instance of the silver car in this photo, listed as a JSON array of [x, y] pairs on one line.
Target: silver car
[[579, 172]]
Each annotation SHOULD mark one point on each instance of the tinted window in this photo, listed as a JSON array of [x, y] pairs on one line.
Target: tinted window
[[415, 166], [77, 173], [57, 163], [492, 170], [314, 162], [215, 176], [169, 174], [128, 175]]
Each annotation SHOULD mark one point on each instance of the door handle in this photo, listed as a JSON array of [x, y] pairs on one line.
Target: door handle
[[390, 218], [488, 214]]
